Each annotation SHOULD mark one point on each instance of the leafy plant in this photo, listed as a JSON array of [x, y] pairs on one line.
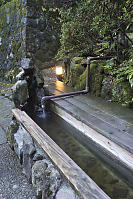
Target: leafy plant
[[2, 2], [126, 72], [91, 28]]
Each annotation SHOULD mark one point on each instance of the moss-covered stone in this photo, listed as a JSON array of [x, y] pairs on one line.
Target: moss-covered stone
[[122, 93], [102, 81], [96, 77], [12, 36], [107, 84], [77, 68]]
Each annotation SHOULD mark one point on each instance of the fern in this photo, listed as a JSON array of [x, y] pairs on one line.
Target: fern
[[126, 72]]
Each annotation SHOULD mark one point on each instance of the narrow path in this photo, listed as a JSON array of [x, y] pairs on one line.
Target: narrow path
[[13, 184]]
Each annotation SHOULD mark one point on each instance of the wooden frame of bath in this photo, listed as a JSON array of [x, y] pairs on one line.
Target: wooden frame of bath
[[84, 186], [115, 155]]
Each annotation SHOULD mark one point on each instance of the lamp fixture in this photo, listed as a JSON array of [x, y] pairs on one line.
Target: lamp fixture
[[59, 70]]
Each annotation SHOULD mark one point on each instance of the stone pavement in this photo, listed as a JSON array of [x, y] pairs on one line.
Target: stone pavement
[[13, 184]]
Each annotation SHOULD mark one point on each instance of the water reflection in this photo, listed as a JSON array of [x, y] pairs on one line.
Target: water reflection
[[60, 132], [59, 85]]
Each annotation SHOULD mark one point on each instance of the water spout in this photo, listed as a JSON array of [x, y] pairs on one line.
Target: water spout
[[43, 106]]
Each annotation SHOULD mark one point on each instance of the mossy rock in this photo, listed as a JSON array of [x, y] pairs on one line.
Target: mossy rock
[[79, 60], [81, 81], [96, 77], [107, 84], [122, 93], [77, 68]]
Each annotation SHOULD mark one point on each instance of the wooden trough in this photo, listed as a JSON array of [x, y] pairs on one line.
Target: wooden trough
[[85, 187]]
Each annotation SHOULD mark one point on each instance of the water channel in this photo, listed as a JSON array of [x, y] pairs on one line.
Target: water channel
[[62, 133]]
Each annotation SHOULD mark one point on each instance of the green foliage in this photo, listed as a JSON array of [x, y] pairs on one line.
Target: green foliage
[[93, 27], [11, 75], [2, 2], [126, 72], [97, 28]]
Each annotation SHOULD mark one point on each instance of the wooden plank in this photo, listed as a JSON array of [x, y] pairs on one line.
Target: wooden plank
[[118, 157], [83, 184], [114, 121], [121, 138]]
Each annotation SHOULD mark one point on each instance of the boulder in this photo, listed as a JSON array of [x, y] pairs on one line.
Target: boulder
[[24, 148], [22, 137], [11, 130], [122, 93], [39, 155], [46, 180], [20, 93], [28, 154]]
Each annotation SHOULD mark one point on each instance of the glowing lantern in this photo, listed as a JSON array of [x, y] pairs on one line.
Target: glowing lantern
[[59, 70]]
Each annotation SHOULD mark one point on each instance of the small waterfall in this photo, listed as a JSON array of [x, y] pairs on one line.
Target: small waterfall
[[43, 112]]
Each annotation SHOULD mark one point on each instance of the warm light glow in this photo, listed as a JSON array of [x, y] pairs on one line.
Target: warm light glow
[[59, 70]]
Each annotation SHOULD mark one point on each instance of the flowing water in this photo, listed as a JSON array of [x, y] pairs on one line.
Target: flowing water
[[61, 132]]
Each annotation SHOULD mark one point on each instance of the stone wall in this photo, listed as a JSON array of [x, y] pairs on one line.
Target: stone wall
[[29, 29], [12, 35], [42, 34]]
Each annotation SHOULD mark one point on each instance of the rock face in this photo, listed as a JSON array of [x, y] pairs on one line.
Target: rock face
[[12, 36], [42, 36], [30, 33]]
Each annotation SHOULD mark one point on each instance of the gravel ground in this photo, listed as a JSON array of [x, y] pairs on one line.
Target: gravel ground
[[13, 184]]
